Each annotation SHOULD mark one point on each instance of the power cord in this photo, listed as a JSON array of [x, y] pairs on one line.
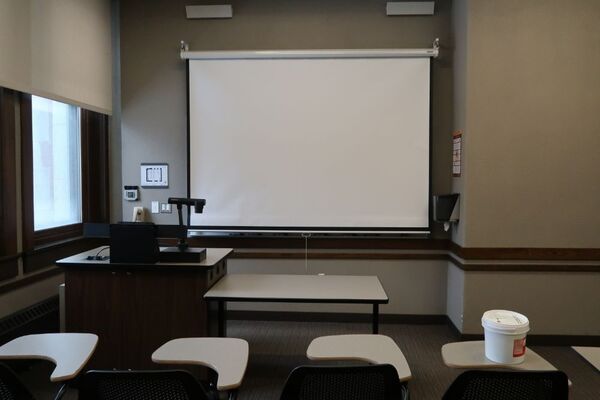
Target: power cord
[[98, 257]]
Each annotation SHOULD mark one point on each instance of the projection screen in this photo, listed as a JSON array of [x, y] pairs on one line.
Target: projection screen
[[303, 144]]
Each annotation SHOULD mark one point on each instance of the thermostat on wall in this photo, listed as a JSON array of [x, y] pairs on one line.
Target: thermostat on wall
[[130, 193], [154, 175]]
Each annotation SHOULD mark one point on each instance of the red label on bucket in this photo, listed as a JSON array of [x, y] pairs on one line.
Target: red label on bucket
[[519, 347]]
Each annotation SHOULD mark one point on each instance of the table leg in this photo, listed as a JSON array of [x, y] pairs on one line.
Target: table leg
[[375, 318], [61, 391], [221, 318]]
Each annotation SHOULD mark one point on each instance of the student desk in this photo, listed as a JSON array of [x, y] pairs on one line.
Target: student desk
[[471, 355], [68, 351], [297, 289], [374, 349], [228, 357], [135, 308], [591, 354]]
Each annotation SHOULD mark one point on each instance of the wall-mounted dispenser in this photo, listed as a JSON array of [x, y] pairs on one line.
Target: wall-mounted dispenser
[[446, 209]]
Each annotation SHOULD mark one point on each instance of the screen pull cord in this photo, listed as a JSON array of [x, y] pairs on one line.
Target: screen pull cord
[[306, 236]]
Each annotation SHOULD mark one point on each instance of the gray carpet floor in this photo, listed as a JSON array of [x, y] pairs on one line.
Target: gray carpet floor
[[278, 347]]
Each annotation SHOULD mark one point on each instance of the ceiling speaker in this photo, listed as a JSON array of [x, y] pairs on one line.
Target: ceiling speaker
[[209, 12], [409, 7]]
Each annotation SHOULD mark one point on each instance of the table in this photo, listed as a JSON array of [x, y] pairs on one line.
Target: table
[[228, 357], [68, 351], [374, 349], [591, 354], [297, 289], [471, 354], [134, 308]]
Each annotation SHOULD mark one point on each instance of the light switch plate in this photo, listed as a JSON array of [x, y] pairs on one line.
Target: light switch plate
[[155, 207], [165, 208], [154, 175]]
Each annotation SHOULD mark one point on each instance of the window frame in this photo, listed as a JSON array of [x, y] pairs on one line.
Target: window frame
[[8, 185], [94, 177]]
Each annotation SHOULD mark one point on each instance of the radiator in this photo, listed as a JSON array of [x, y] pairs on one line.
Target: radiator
[[38, 318]]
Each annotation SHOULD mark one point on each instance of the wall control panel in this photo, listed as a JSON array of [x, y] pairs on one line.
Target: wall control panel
[[154, 175]]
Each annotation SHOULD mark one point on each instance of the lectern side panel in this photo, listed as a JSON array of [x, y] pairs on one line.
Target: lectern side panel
[[163, 306], [93, 305]]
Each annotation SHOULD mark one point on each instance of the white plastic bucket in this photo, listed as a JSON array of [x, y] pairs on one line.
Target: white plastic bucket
[[505, 335]]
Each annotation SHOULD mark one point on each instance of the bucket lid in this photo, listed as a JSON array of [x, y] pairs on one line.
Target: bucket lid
[[505, 320]]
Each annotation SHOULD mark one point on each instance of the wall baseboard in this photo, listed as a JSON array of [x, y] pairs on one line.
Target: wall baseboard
[[298, 316], [39, 318]]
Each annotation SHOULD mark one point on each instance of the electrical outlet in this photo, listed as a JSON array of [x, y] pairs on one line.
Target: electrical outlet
[[165, 208]]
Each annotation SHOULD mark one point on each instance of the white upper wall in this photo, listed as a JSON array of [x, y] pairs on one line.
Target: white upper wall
[[59, 49]]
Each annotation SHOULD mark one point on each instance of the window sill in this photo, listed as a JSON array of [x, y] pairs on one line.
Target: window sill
[[57, 235]]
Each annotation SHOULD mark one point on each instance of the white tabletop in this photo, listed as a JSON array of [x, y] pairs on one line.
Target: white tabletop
[[591, 354], [227, 356], [374, 349], [282, 287], [69, 351]]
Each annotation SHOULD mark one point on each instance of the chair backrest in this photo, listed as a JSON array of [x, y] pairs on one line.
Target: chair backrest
[[11, 387], [501, 385], [147, 385], [368, 382]]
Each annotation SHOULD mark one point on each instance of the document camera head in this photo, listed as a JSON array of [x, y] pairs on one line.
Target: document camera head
[[197, 203]]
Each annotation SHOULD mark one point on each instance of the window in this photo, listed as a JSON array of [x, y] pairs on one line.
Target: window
[[56, 157], [64, 173]]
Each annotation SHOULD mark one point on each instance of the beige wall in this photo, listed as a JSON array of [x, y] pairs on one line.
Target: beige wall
[[15, 32], [26, 296], [559, 303], [526, 94], [59, 49], [460, 22], [532, 124]]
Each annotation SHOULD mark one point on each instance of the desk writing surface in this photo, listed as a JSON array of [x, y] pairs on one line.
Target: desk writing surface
[[213, 256], [284, 287], [471, 354], [68, 351], [591, 354], [227, 356], [374, 349]]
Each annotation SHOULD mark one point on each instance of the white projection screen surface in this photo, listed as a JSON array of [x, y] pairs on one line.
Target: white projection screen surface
[[294, 144]]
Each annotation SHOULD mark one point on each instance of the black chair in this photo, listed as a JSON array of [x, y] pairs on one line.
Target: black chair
[[368, 382], [11, 387], [509, 385], [142, 385]]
